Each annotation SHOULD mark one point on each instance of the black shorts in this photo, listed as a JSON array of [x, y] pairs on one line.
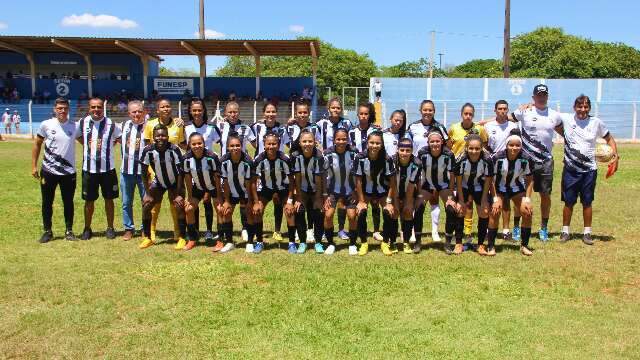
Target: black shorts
[[106, 182], [266, 194], [507, 196], [349, 201], [543, 177], [378, 93], [477, 196], [199, 194], [376, 196], [237, 200]]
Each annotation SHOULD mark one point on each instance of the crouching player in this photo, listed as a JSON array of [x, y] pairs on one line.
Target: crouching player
[[165, 159]]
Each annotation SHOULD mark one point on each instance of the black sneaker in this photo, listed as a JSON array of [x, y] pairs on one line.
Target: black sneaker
[[86, 234], [417, 247], [564, 237], [69, 235], [448, 248], [46, 237], [586, 238], [110, 233]]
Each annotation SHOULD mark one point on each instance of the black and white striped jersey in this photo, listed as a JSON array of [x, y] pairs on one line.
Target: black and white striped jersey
[[338, 167], [418, 132], [474, 173], [436, 171], [374, 182], [244, 132], [236, 174], [98, 138], [131, 147], [202, 170], [294, 131], [580, 142], [260, 129], [409, 174], [165, 164], [537, 129], [510, 174], [308, 168], [59, 146], [210, 133], [327, 128], [272, 174], [358, 137], [391, 141]]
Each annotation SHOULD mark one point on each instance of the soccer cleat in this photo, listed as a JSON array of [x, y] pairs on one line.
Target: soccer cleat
[[377, 236], [417, 247], [448, 249], [543, 234], [110, 233], [46, 237], [302, 248], [330, 250], [245, 235], [353, 250], [343, 235], [319, 248], [70, 236], [292, 248], [364, 249], [208, 236], [564, 237], [507, 236], [258, 247], [491, 251], [525, 251], [386, 248], [435, 236], [277, 237], [310, 237], [248, 248], [516, 233], [482, 250], [458, 249], [146, 242], [586, 238], [190, 245], [394, 248], [218, 246], [181, 244], [227, 247], [86, 234]]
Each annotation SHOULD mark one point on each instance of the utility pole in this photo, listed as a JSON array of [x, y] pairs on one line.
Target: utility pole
[[506, 60], [431, 57], [202, 19], [440, 56]]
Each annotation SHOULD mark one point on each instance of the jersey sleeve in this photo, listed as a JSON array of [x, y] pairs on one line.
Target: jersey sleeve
[[518, 115], [148, 132], [356, 170], [223, 171], [248, 175], [416, 169], [184, 167], [490, 168], [295, 166], [251, 134], [390, 167], [177, 158], [117, 131], [601, 129], [319, 168], [443, 131], [42, 130], [79, 128], [144, 157]]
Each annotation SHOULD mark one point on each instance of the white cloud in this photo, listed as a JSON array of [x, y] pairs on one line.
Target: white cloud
[[3, 25], [98, 21], [210, 34], [296, 28]]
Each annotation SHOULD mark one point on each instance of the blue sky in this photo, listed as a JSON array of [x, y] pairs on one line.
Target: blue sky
[[390, 32]]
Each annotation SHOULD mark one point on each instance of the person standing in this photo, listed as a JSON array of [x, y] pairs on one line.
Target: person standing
[[58, 167], [98, 134], [6, 120], [132, 144], [377, 88], [15, 119]]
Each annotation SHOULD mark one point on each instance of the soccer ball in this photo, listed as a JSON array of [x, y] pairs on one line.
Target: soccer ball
[[604, 153]]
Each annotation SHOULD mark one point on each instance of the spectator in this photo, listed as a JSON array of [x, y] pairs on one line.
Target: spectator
[[307, 94], [232, 96], [6, 120], [15, 119], [15, 96], [53, 75], [122, 107], [377, 88]]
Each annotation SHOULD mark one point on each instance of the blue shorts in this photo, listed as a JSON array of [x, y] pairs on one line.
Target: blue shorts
[[576, 184]]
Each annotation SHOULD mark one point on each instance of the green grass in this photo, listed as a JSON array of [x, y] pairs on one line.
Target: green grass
[[103, 298]]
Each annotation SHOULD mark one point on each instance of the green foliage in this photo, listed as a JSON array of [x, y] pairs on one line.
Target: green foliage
[[183, 72], [477, 68]]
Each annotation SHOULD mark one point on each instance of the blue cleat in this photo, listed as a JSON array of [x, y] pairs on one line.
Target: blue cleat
[[302, 248], [319, 248], [258, 247], [516, 233], [543, 234], [292, 248]]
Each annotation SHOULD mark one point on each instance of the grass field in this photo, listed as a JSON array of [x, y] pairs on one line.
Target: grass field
[[106, 298]]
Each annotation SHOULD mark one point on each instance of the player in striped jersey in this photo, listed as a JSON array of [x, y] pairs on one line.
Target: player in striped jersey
[[308, 167], [376, 184], [438, 181], [235, 171], [395, 132], [299, 123], [199, 122], [328, 126], [165, 159], [233, 124], [474, 174], [338, 162], [513, 182], [409, 170], [272, 172], [201, 168], [419, 130], [98, 134], [269, 124], [131, 148], [58, 167]]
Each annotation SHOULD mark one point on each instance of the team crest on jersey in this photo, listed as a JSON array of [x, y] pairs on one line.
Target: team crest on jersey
[[493, 132], [53, 132], [395, 142]]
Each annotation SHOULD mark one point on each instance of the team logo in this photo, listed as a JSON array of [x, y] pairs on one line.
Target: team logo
[[534, 119], [493, 132], [395, 142], [53, 132]]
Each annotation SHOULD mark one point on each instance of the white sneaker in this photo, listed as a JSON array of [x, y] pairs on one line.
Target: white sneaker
[[245, 235], [435, 236], [377, 236], [227, 247], [412, 239], [353, 250], [248, 248], [330, 250], [310, 236]]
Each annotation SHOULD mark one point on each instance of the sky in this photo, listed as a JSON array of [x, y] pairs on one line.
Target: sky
[[389, 32]]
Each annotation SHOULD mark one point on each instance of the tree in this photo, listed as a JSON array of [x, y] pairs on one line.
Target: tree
[[477, 68], [182, 72]]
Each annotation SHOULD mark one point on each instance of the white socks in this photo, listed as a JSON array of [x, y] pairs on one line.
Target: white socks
[[435, 216], [587, 230], [505, 231], [565, 229]]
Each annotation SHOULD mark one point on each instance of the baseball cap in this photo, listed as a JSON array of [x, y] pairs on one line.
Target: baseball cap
[[540, 88]]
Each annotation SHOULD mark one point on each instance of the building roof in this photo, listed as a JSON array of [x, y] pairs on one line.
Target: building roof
[[156, 47]]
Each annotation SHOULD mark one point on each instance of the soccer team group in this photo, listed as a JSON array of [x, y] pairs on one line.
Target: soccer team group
[[332, 168]]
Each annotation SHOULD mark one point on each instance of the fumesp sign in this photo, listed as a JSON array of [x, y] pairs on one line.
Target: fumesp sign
[[166, 86]]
